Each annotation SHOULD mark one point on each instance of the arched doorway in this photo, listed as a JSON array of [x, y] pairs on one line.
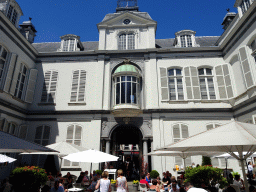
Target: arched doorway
[[126, 142]]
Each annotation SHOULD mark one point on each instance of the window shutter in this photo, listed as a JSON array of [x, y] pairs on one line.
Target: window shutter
[[192, 83], [31, 86], [70, 132], [228, 81], [82, 82], [215, 162], [75, 84], [164, 84], [23, 131], [245, 67], [176, 132], [220, 81], [11, 66], [15, 78], [188, 161], [184, 130], [223, 162], [208, 127]]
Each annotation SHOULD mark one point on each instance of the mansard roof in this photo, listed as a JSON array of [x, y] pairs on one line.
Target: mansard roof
[[203, 41]]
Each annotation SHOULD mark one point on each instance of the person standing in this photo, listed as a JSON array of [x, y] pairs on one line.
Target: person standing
[[250, 170], [190, 188], [104, 183], [121, 182]]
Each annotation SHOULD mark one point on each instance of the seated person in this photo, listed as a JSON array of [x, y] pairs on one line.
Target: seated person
[[174, 187], [50, 177], [57, 188], [239, 182], [166, 180], [148, 179], [143, 180], [174, 182], [93, 184], [80, 178], [154, 186]]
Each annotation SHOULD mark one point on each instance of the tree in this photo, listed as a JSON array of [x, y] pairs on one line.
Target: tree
[[206, 161]]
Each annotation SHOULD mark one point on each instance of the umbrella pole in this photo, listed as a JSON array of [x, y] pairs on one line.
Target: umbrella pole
[[226, 168], [184, 163], [60, 164], [90, 171], [244, 175]]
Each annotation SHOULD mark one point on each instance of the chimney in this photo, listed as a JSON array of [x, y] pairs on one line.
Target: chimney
[[28, 30], [228, 19]]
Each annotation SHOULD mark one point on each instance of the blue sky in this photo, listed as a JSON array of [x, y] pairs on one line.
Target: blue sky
[[54, 18]]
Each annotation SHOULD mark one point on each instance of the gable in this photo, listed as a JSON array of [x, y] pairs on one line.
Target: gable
[[135, 18]]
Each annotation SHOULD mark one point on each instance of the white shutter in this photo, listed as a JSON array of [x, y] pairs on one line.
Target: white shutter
[[228, 81], [11, 66], [164, 84], [215, 162], [15, 78], [208, 127], [49, 87], [23, 131], [82, 82], [188, 161], [192, 83], [31, 86], [223, 162], [176, 132], [184, 131], [245, 67], [46, 85], [178, 161], [221, 82], [75, 84]]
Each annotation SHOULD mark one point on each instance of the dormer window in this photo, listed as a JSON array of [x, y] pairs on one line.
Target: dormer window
[[12, 14], [245, 5], [185, 38], [71, 43], [12, 11], [126, 41]]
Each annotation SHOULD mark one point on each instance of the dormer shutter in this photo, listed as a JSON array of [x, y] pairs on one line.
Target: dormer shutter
[[31, 86], [10, 70], [192, 83], [164, 84], [245, 67]]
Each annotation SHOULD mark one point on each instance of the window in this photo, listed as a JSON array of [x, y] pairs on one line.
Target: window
[[186, 41], [23, 131], [69, 45], [213, 125], [74, 136], [11, 128], [176, 84], [49, 87], [21, 81], [253, 47], [42, 135], [78, 86], [3, 57], [180, 131], [12, 14], [126, 41], [245, 5], [206, 84], [215, 162], [127, 90], [179, 161], [2, 124]]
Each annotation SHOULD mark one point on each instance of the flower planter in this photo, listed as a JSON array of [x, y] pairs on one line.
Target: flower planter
[[135, 187], [113, 187]]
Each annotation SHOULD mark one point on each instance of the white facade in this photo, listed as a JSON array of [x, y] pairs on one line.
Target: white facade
[[185, 85]]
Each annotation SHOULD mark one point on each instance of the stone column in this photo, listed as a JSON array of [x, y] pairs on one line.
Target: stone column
[[108, 147], [152, 158], [145, 151]]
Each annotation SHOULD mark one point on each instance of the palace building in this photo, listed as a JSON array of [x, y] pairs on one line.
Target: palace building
[[128, 93]]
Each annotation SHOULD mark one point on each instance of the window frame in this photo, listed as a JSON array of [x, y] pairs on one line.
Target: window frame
[[78, 90], [127, 41], [19, 82], [180, 132], [42, 135], [66, 46], [187, 41], [245, 5], [10, 129], [214, 125], [176, 77], [48, 92], [206, 77]]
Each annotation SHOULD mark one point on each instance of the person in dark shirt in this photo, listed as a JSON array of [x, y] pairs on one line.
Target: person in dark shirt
[[80, 178], [166, 180]]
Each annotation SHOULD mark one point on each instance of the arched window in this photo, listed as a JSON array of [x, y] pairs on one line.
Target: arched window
[[11, 128], [206, 83], [180, 131], [12, 14], [126, 41], [42, 136], [3, 57], [253, 47], [186, 41], [213, 125], [176, 84], [69, 45], [23, 73]]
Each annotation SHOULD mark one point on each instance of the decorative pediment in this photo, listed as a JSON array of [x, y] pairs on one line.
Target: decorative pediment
[[126, 19]]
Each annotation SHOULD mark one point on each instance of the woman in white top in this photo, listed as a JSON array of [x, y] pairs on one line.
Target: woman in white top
[[104, 183], [121, 182]]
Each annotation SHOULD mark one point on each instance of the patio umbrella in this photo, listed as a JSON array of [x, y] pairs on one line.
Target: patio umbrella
[[231, 137], [4, 159], [181, 154], [63, 149], [91, 156], [12, 144]]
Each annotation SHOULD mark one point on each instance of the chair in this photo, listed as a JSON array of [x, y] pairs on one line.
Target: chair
[[143, 187], [235, 187]]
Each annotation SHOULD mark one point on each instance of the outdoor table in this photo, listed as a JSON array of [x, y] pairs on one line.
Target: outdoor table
[[75, 189]]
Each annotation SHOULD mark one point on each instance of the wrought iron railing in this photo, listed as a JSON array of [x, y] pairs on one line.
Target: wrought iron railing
[[127, 3]]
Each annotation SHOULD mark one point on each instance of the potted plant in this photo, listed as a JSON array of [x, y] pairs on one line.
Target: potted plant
[[135, 185], [206, 175], [113, 184], [28, 178], [98, 172], [154, 174]]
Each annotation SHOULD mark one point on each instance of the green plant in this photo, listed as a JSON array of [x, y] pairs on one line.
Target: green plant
[[234, 174], [135, 182], [205, 175], [206, 161], [98, 172], [28, 178], [154, 174], [113, 181]]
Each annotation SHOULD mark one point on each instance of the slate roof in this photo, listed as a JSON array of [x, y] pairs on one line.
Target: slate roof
[[93, 45]]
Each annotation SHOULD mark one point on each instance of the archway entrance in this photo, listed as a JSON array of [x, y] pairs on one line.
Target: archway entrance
[[126, 142]]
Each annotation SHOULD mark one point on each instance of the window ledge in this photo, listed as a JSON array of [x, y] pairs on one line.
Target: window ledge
[[75, 104], [180, 102], [17, 99], [44, 104]]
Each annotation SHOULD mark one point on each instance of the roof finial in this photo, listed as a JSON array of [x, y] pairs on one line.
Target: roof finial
[[228, 10], [30, 18]]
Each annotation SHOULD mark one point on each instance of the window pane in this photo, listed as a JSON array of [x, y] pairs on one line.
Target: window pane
[[134, 92], [208, 71], [78, 132], [129, 78], [129, 92], [201, 71], [118, 93], [122, 92], [46, 132], [178, 72], [38, 132], [189, 41], [171, 72], [70, 132]]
